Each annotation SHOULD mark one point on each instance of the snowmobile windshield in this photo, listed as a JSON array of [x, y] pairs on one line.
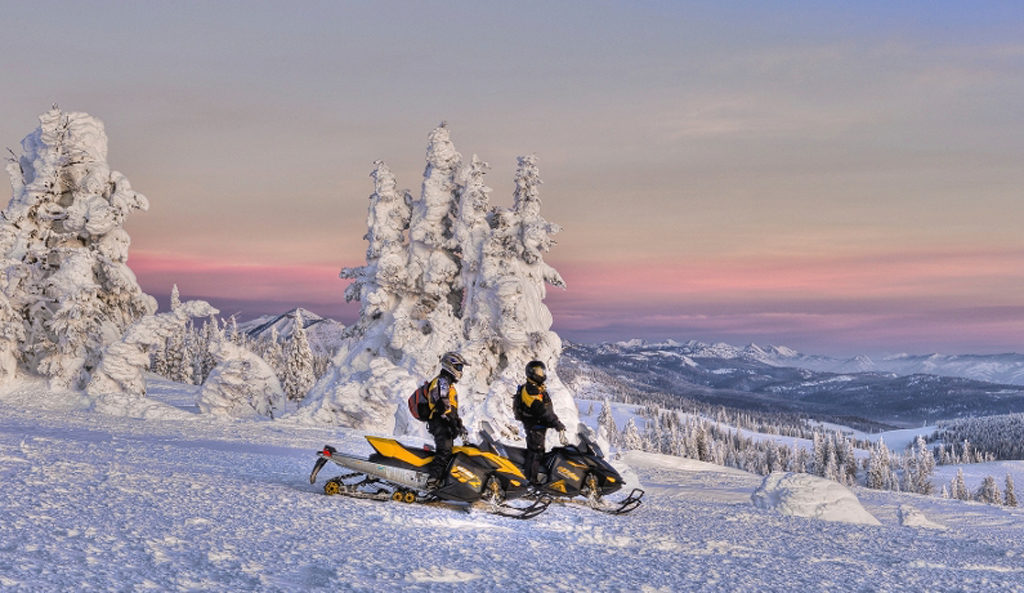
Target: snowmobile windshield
[[589, 446]]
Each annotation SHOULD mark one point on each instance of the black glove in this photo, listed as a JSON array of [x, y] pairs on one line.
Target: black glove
[[460, 429]]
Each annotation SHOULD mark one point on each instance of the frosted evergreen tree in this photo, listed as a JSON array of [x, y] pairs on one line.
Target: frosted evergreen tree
[[175, 298], [631, 440], [177, 359], [879, 468], [1009, 494], [397, 345], [988, 492], [513, 285], [273, 353], [119, 375], [12, 337], [919, 465], [298, 373], [424, 304], [379, 284], [241, 385], [472, 233], [65, 249], [606, 421], [958, 488], [819, 455], [831, 463]]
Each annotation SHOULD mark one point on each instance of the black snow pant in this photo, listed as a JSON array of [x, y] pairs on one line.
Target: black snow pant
[[534, 451], [444, 439]]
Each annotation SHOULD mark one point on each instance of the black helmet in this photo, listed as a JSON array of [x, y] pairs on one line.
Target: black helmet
[[452, 362], [536, 372]]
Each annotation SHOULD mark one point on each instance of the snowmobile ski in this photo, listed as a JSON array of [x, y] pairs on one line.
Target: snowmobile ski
[[475, 478]]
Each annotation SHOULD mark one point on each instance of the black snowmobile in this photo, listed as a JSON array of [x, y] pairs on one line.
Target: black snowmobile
[[399, 472], [572, 471]]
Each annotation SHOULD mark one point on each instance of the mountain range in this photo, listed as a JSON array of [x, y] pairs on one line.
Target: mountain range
[[780, 379]]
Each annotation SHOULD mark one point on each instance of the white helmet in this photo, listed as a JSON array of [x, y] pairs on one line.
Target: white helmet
[[452, 362]]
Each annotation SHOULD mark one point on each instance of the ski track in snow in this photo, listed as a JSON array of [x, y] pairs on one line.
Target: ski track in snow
[[93, 502]]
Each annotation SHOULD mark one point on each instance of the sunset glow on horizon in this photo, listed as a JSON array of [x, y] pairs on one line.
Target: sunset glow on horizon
[[836, 179]]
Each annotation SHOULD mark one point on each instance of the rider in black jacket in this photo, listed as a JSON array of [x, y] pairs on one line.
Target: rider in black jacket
[[532, 406], [444, 423]]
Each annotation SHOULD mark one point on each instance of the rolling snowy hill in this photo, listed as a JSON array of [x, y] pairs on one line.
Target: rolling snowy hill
[[180, 501]]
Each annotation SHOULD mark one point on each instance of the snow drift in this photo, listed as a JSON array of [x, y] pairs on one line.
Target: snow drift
[[804, 495]]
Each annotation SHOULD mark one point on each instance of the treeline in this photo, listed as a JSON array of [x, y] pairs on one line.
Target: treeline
[[991, 437], [186, 356], [831, 455]]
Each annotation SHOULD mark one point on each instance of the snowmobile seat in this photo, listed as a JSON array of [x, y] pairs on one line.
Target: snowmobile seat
[[390, 449]]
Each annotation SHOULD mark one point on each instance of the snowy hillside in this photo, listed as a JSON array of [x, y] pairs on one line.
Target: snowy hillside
[[182, 501]]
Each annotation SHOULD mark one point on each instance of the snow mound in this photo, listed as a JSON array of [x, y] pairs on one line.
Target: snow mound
[[911, 517], [804, 495]]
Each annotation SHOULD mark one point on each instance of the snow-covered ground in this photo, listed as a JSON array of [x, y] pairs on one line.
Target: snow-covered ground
[[186, 502]]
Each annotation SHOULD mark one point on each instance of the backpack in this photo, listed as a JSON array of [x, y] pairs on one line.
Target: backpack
[[419, 402], [517, 404]]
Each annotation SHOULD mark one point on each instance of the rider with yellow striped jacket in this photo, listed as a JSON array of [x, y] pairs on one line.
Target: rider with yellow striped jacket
[[532, 406], [444, 423]]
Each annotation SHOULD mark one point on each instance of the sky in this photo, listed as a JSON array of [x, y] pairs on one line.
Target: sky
[[839, 178]]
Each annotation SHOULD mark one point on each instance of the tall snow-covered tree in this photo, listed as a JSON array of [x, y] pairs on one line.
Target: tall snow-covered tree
[[464, 284], [631, 440], [958, 487], [1009, 493], [408, 312], [919, 464], [65, 249], [510, 289], [879, 467], [298, 372], [379, 284]]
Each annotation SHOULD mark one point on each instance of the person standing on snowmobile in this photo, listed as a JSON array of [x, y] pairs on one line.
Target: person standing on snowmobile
[[444, 423], [532, 406]]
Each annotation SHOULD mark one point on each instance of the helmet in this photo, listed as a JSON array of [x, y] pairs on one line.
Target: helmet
[[452, 362], [536, 372]]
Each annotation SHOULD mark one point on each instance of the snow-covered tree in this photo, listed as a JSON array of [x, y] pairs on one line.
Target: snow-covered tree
[[958, 488], [298, 372], [988, 492], [241, 385], [631, 440], [879, 467], [606, 421], [120, 371], [379, 284], [65, 249], [1009, 494], [918, 467], [444, 272], [510, 289]]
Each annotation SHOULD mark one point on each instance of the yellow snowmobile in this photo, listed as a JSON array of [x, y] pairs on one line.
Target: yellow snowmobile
[[399, 472]]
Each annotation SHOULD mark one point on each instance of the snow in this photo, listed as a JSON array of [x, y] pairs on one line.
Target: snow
[[186, 501], [804, 495]]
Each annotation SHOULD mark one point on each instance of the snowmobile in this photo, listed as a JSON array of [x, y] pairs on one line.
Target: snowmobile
[[398, 472], [572, 471]]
